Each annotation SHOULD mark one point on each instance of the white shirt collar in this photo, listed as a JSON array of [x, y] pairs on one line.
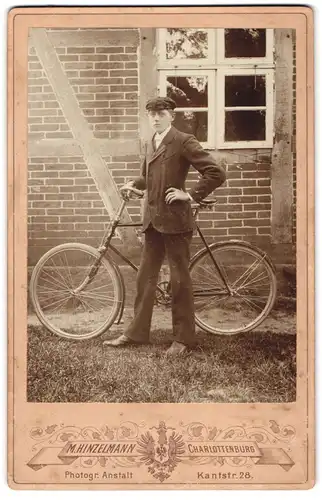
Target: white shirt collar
[[160, 137]]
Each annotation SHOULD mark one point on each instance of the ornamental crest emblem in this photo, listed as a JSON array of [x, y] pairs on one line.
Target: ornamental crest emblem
[[161, 449]]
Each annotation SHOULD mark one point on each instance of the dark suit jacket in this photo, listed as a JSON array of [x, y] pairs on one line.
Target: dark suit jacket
[[168, 167]]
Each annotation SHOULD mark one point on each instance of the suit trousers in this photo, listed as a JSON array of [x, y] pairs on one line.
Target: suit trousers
[[177, 248]]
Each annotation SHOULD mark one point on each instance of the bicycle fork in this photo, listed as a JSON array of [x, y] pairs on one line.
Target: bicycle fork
[[91, 275], [102, 250]]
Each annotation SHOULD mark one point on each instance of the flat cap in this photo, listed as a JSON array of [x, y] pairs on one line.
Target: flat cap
[[158, 103]]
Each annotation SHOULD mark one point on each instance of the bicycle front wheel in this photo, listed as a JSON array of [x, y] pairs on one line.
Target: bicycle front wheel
[[74, 295], [234, 287]]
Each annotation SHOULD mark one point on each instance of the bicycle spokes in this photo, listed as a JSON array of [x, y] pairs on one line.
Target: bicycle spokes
[[71, 297], [250, 287]]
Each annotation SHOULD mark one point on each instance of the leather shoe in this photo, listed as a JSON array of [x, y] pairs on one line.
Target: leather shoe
[[176, 349], [123, 340]]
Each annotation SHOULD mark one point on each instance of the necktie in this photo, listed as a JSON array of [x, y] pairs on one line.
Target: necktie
[[157, 141]]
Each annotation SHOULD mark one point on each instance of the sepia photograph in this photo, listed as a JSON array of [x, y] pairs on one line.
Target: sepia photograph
[[160, 248], [161, 215]]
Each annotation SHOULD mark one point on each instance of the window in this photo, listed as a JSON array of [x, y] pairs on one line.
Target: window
[[192, 90], [222, 82]]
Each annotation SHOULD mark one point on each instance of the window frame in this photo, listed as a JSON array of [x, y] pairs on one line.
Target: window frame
[[193, 63], [268, 142], [244, 61], [215, 66], [210, 144]]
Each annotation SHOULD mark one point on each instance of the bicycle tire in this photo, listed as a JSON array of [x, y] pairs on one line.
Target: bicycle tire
[[255, 252], [84, 250]]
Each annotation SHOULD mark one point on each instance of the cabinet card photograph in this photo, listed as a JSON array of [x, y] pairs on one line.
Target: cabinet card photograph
[[160, 248]]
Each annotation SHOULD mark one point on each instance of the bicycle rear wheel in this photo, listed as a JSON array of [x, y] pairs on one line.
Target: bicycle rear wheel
[[71, 297], [251, 291]]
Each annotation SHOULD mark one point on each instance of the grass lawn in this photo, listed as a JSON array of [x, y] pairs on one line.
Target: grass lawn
[[258, 366]]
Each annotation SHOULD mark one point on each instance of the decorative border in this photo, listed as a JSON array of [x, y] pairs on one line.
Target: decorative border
[[305, 245], [161, 448]]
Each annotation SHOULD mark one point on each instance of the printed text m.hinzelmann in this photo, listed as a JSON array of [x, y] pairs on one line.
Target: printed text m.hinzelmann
[[88, 449]]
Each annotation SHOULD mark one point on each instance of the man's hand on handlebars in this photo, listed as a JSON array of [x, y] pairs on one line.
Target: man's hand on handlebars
[[128, 191], [125, 191]]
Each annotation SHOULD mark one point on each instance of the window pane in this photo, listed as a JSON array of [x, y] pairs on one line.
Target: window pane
[[193, 122], [188, 91], [190, 43], [245, 90], [245, 43], [245, 125]]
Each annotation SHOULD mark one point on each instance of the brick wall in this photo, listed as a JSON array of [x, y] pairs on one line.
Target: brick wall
[[63, 202], [105, 82], [243, 210]]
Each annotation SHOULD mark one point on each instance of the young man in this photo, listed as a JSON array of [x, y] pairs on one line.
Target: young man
[[168, 223]]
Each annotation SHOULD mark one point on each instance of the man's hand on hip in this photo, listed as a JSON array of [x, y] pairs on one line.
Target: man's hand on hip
[[174, 194]]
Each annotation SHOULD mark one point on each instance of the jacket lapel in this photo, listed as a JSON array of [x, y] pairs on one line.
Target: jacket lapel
[[162, 148], [158, 152], [150, 150]]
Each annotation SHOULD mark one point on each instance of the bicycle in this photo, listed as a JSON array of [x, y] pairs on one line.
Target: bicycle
[[78, 291]]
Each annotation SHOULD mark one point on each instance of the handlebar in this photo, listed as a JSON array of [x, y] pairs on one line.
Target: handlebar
[[135, 191], [205, 203]]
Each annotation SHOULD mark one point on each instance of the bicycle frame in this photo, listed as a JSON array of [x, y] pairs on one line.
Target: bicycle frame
[[109, 234]]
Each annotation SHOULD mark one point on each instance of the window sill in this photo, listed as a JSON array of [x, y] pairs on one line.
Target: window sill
[[246, 145]]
